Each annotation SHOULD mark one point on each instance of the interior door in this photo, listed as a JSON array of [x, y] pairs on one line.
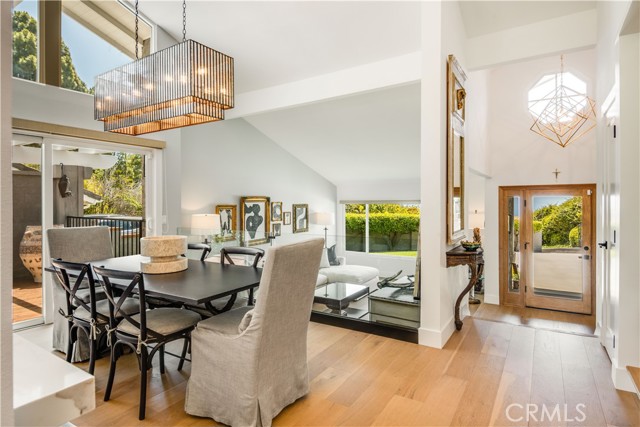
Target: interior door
[[557, 247]]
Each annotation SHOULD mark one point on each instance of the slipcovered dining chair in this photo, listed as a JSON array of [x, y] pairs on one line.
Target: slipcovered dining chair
[[146, 332], [82, 245], [91, 317], [251, 362]]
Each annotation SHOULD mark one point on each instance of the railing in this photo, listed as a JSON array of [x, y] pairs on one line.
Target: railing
[[125, 231]]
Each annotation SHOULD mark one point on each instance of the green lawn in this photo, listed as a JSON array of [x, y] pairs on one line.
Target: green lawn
[[398, 253]]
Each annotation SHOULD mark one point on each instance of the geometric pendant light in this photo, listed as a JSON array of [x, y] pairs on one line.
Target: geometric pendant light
[[182, 85], [564, 114]]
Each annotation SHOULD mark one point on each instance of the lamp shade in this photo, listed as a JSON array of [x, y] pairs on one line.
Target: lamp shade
[[476, 219], [322, 218], [207, 223]]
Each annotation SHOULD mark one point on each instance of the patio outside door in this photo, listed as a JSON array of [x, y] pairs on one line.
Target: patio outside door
[[547, 247]]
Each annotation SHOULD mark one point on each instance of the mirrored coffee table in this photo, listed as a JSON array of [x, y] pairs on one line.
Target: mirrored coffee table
[[337, 296]]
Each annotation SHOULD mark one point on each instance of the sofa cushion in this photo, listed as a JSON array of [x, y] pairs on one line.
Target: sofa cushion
[[322, 279], [356, 274], [333, 258]]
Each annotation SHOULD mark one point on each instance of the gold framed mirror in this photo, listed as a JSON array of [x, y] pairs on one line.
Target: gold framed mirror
[[456, 97]]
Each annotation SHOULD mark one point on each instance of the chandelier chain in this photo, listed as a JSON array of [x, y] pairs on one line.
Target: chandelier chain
[[137, 29], [184, 20]]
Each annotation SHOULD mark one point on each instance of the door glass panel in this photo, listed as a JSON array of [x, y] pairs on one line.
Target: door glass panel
[[513, 242], [558, 263], [27, 229]]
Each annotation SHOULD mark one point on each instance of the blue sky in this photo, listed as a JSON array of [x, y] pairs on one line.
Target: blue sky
[[542, 201], [91, 55]]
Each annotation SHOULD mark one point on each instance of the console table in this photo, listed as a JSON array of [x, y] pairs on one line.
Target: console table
[[475, 261]]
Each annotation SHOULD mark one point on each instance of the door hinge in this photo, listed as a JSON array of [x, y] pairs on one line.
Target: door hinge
[[589, 192], [525, 203], [614, 341], [615, 128], [526, 288]]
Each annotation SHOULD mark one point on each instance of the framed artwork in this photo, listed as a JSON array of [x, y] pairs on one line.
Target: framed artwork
[[276, 229], [228, 224], [276, 211], [286, 218], [300, 218], [254, 219]]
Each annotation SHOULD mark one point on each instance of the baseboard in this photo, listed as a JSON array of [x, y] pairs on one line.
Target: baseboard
[[492, 299], [434, 338], [622, 378]]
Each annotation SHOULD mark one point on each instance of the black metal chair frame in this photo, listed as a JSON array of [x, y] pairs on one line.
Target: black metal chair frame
[[225, 254], [138, 343], [93, 329], [206, 249]]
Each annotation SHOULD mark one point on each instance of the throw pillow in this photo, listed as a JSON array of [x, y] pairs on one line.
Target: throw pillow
[[324, 261], [246, 320], [333, 258]]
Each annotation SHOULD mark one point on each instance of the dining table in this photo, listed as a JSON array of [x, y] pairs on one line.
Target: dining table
[[201, 283]]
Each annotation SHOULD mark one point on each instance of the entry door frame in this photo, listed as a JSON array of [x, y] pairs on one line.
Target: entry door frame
[[518, 299]]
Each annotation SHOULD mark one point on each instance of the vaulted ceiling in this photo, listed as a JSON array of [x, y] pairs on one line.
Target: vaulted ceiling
[[373, 135]]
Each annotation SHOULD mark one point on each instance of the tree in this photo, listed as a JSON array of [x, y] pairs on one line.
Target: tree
[[25, 54], [120, 187], [559, 220]]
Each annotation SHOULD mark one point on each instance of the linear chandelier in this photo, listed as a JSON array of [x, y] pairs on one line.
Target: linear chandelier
[[566, 113], [182, 85]]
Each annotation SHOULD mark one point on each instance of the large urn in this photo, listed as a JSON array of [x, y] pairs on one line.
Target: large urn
[[30, 251]]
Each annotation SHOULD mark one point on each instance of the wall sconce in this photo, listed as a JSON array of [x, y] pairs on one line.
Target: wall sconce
[[64, 184]]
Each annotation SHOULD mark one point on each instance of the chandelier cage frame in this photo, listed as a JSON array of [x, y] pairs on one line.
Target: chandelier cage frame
[[565, 114], [182, 85]]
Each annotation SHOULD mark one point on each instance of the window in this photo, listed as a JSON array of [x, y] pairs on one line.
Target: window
[[545, 93], [25, 40], [382, 228], [97, 37]]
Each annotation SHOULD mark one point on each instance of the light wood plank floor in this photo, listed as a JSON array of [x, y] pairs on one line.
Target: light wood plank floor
[[27, 299], [551, 320], [359, 379]]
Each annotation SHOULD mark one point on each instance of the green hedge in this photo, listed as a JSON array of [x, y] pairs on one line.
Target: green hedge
[[390, 226], [575, 236]]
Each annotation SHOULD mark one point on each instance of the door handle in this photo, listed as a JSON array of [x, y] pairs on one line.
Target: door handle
[[604, 245]]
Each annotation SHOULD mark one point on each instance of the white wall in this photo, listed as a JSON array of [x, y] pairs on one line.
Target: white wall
[[441, 36], [519, 156], [224, 161], [617, 61]]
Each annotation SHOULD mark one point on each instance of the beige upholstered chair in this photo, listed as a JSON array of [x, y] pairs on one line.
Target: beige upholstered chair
[[75, 244], [250, 363]]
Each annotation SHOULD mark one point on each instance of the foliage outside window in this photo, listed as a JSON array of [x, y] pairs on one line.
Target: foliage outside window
[[119, 188], [389, 229]]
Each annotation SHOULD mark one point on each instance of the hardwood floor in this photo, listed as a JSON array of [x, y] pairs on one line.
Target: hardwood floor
[[486, 373], [27, 299], [536, 318]]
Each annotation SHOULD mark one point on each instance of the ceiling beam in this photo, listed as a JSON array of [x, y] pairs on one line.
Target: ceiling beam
[[553, 36], [390, 72]]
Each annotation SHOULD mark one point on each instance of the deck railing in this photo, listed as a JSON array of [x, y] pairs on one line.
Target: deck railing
[[125, 231]]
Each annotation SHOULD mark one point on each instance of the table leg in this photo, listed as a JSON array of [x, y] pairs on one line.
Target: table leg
[[472, 283]]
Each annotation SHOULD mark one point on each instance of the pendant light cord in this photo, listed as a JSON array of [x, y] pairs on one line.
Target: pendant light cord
[[184, 20], [137, 57]]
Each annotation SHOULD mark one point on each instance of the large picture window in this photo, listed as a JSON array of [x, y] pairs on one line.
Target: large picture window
[[382, 228]]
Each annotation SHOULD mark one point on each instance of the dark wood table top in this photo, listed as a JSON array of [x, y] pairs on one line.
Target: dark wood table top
[[200, 283]]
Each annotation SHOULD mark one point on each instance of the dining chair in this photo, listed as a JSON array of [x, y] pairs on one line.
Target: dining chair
[[90, 316], [149, 329], [251, 362], [254, 255], [81, 245], [206, 249]]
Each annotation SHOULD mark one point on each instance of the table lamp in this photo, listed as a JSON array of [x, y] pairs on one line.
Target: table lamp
[[476, 223], [323, 218], [205, 224]]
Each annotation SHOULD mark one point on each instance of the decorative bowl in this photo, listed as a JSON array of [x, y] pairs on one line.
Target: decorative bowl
[[470, 246], [165, 253]]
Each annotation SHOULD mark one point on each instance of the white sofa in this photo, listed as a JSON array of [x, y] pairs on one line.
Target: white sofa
[[357, 274]]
